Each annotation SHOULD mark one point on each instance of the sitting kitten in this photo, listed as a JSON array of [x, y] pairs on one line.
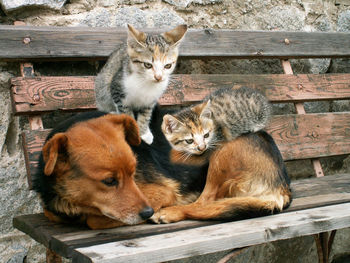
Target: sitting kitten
[[223, 116], [137, 74]]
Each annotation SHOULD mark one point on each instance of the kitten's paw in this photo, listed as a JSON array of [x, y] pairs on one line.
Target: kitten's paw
[[147, 137]]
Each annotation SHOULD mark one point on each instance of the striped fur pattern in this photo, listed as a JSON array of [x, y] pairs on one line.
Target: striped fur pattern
[[137, 74], [223, 116]]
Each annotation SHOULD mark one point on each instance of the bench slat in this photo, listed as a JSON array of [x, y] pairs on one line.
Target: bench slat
[[220, 237], [311, 135], [44, 94], [308, 193], [297, 136], [97, 43]]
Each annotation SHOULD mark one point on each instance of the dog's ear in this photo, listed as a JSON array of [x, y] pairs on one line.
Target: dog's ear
[[51, 150], [131, 130]]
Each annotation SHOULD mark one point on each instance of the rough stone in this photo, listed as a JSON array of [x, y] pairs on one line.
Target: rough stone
[[132, 15], [186, 3], [344, 21], [11, 5]]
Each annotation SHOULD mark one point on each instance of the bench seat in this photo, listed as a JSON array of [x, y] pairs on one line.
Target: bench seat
[[319, 205]]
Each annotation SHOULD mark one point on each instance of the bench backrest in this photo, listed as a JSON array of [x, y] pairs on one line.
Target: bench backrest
[[299, 136]]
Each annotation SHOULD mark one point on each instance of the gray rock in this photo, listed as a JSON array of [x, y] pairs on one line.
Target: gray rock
[[98, 18], [285, 18], [132, 15], [131, 2], [11, 5], [343, 24], [186, 3]]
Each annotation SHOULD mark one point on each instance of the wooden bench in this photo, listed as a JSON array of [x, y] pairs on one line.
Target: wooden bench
[[321, 204]]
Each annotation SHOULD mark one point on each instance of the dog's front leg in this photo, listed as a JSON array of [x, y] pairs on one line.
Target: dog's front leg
[[160, 195], [102, 222]]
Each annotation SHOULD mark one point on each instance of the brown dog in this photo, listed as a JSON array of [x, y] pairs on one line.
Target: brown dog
[[94, 166], [92, 170]]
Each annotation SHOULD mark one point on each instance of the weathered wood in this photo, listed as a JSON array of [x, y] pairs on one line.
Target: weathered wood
[[311, 135], [52, 257], [218, 237], [43, 94], [39, 228], [32, 143], [25, 42], [62, 239]]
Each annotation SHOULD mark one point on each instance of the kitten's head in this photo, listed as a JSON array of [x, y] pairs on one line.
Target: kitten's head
[[191, 130], [154, 56]]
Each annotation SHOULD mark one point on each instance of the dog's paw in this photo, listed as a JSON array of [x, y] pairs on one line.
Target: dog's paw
[[147, 137], [167, 215]]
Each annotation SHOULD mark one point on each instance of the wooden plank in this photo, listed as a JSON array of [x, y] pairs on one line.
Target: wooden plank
[[311, 135], [26, 42], [41, 229], [308, 193], [43, 94], [220, 237], [32, 142]]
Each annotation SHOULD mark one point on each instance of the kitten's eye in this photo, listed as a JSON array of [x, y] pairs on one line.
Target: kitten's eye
[[147, 65], [206, 135], [168, 66], [111, 181], [189, 141]]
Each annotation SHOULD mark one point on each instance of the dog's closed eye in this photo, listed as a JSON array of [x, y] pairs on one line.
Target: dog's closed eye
[[111, 181]]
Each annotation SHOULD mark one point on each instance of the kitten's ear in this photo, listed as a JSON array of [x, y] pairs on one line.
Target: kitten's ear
[[170, 123], [205, 111], [135, 35], [174, 36]]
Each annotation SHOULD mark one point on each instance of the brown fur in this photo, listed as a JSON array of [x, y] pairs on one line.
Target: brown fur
[[241, 177], [241, 180]]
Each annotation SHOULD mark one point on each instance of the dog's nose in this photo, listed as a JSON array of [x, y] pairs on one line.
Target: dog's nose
[[146, 213]]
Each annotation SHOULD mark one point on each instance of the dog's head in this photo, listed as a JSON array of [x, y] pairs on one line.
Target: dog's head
[[94, 169]]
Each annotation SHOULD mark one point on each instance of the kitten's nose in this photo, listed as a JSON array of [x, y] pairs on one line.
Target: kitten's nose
[[158, 77], [201, 147]]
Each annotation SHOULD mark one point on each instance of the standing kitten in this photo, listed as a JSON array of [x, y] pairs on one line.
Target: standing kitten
[[223, 116], [137, 74]]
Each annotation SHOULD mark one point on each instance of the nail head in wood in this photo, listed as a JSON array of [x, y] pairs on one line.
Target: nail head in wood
[[26, 40], [36, 97]]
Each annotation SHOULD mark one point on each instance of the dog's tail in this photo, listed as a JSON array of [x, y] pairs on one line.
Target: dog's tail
[[235, 208]]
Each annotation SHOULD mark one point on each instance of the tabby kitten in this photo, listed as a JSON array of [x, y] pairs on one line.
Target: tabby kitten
[[137, 74], [223, 116]]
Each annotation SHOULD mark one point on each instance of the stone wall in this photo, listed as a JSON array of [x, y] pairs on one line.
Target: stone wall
[[292, 15]]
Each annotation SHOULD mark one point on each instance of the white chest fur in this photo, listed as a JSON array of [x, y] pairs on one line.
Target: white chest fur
[[142, 93]]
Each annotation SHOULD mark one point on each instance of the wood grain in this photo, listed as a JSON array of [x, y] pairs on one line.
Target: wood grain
[[44, 94], [63, 239], [81, 43], [220, 237], [311, 135]]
